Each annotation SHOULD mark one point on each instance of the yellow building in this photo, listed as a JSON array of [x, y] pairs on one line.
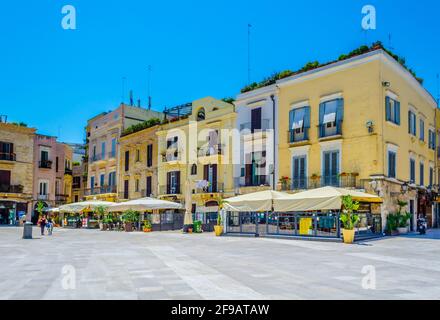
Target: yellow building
[[364, 122], [16, 172], [138, 164], [196, 149]]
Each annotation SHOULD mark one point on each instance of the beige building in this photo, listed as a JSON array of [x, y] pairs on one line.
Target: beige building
[[103, 133], [16, 172], [138, 165]]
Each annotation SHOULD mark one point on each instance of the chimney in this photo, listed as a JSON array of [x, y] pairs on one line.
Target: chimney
[[149, 103], [131, 98]]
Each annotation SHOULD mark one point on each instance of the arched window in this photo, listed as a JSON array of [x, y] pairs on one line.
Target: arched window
[[201, 114], [194, 170]]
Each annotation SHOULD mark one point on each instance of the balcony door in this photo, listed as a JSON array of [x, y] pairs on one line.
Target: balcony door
[[126, 188], [149, 189], [6, 150], [256, 119], [210, 175], [299, 179], [173, 182], [5, 180], [256, 169], [44, 156], [331, 168]]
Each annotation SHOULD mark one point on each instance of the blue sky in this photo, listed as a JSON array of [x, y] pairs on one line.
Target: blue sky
[[56, 79]]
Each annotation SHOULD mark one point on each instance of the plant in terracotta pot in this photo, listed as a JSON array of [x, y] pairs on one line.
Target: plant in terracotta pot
[[285, 182], [147, 226], [349, 218], [129, 217]]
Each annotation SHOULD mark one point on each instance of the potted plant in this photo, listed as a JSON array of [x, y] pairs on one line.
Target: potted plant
[[402, 218], [129, 217], [285, 181], [349, 218], [147, 226], [218, 229], [100, 211], [392, 224]]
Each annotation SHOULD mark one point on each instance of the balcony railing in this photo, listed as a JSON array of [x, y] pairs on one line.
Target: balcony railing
[[207, 151], [76, 186], [61, 197], [101, 157], [171, 156], [68, 171], [100, 190], [170, 190], [331, 129], [255, 181], [294, 136], [265, 125], [43, 197], [8, 157], [306, 183], [11, 189], [45, 164], [211, 188]]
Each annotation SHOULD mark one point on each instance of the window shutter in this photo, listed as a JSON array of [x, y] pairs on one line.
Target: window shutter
[[409, 121], [178, 181], [214, 178], [340, 110], [291, 119], [388, 108], [321, 119], [307, 118], [397, 112]]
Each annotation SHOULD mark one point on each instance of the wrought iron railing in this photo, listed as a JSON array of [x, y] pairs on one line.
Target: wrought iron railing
[[8, 156], [170, 190], [210, 188], [305, 183], [265, 125], [100, 190], [328, 130], [11, 188], [45, 164]]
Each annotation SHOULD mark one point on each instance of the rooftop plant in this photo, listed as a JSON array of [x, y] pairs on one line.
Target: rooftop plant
[[141, 126], [315, 64]]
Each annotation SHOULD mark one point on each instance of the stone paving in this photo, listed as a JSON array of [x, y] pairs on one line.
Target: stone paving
[[171, 265]]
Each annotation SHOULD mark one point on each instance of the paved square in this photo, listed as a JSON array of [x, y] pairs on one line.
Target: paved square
[[171, 265]]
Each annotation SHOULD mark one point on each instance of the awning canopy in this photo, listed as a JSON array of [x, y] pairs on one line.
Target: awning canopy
[[144, 204], [327, 198], [258, 202], [86, 205]]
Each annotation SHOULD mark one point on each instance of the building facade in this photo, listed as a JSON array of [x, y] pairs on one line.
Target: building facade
[[138, 171], [195, 151], [363, 123], [16, 172], [52, 183], [103, 133]]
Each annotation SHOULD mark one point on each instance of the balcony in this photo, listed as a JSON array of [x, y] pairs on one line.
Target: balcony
[[100, 190], [61, 198], [68, 171], [255, 181], [171, 157], [8, 157], [11, 189], [43, 197], [298, 135], [331, 129], [265, 125], [307, 183], [102, 157], [45, 164], [207, 151], [170, 190], [211, 188]]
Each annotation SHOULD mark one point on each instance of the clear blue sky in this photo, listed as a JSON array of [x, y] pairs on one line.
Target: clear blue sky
[[55, 79]]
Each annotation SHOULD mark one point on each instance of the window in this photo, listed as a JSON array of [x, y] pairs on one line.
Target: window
[[431, 139], [44, 187], [113, 148], [391, 164], [149, 155], [392, 108], [103, 150], [194, 170], [201, 114], [127, 160], [92, 183], [422, 174], [149, 190], [331, 168], [299, 124], [412, 123], [431, 176], [94, 153], [102, 180], [422, 130], [136, 185], [112, 179], [331, 114], [138, 155], [173, 182], [412, 171], [299, 179]]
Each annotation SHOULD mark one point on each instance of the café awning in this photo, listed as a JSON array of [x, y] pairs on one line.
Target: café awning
[[262, 201], [85, 205], [144, 204]]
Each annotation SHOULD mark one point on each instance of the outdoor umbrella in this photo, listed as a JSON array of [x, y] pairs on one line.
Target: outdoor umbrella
[[188, 205], [86, 205], [257, 202], [327, 198], [144, 204]]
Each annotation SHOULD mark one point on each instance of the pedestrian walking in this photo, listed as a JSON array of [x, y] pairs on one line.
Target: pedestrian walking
[[49, 226], [42, 224]]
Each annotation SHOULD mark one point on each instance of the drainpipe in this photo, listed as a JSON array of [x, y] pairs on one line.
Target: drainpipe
[[272, 97]]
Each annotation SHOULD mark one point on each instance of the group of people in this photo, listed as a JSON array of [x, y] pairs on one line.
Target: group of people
[[46, 223]]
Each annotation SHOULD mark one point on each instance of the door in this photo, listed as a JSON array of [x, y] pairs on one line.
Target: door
[[5, 180], [299, 180], [331, 168], [149, 187], [256, 119], [210, 175], [126, 190]]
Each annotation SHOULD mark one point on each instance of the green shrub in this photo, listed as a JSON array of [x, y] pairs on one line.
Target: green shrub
[[348, 217], [141, 126], [130, 216]]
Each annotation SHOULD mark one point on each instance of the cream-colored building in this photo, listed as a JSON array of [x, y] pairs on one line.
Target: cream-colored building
[[197, 149], [103, 133], [16, 172]]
